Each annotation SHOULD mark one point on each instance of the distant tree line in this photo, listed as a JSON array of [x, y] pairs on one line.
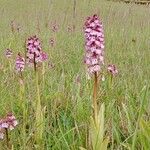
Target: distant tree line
[[142, 2]]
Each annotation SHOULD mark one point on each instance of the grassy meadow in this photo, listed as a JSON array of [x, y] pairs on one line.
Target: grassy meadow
[[64, 88]]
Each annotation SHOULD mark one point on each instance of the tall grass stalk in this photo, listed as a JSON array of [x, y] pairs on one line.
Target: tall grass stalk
[[143, 98], [24, 110], [39, 126]]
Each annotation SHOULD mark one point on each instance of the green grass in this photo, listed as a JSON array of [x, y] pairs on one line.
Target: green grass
[[68, 104]]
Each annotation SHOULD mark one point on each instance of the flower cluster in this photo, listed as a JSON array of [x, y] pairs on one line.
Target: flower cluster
[[8, 53], [94, 44], [20, 63], [9, 123], [33, 46], [112, 69], [43, 56], [34, 51]]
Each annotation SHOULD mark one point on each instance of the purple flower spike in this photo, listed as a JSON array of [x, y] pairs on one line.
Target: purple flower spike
[[11, 121], [33, 46], [8, 53], [34, 51], [112, 69], [7, 123], [94, 44], [20, 63], [44, 56]]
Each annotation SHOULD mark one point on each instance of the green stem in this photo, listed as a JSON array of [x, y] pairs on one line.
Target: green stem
[[74, 9], [95, 96], [110, 83], [10, 65], [39, 115], [7, 137], [34, 63], [137, 123], [23, 105], [43, 74]]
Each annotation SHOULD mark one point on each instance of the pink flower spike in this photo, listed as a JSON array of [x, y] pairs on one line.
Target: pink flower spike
[[112, 69], [33, 46], [44, 56], [11, 120], [7, 123], [20, 63], [94, 44], [8, 53]]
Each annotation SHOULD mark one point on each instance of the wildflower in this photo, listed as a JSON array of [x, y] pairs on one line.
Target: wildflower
[[8, 53], [33, 46], [51, 41], [43, 56], [34, 51], [112, 69], [11, 121], [4, 124], [7, 123], [20, 63], [50, 65], [71, 28], [55, 27], [94, 44]]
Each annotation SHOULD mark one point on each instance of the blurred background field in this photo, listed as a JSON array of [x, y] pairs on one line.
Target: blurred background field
[[66, 93]]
